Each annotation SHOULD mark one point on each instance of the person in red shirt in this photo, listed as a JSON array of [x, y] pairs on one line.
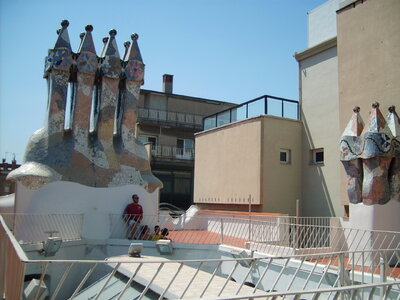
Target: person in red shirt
[[133, 215]]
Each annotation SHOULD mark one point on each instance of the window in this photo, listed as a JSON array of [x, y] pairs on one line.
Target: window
[[149, 139], [184, 147], [284, 156], [317, 156]]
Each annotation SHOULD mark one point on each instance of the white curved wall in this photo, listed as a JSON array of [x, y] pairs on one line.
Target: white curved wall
[[95, 203]]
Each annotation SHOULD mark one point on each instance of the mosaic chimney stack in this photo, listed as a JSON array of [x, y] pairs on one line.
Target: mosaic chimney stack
[[351, 162], [378, 147], [393, 121], [96, 146]]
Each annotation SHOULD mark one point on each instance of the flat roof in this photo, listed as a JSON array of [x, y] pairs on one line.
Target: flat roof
[[217, 102], [201, 283]]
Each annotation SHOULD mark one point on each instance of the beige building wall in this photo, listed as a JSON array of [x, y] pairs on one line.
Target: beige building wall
[[281, 182], [228, 164], [369, 59], [318, 71], [242, 159]]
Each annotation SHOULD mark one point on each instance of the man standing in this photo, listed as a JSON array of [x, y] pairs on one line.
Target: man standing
[[133, 215]]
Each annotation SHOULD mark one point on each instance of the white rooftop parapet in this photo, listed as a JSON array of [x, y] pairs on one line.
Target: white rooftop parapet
[[322, 22]]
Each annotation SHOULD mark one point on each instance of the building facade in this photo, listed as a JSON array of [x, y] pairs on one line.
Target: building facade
[[168, 122], [252, 165], [253, 154], [353, 59], [6, 186]]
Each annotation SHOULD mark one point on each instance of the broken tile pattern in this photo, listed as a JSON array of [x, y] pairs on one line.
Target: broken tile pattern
[[349, 151], [393, 121], [105, 156], [371, 157]]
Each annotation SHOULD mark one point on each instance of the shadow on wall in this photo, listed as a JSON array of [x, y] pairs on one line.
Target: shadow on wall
[[316, 200]]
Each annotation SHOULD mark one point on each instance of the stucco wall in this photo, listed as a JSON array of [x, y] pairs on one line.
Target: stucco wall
[[281, 182], [227, 164], [369, 56], [242, 159], [369, 59], [97, 204], [320, 115], [322, 22]]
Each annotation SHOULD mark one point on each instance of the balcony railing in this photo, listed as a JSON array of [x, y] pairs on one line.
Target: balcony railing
[[341, 274], [173, 152], [32, 228], [264, 105], [171, 117]]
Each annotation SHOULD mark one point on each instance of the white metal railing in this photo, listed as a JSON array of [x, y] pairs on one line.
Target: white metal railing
[[170, 116], [33, 228], [173, 152], [231, 278], [352, 274], [274, 235]]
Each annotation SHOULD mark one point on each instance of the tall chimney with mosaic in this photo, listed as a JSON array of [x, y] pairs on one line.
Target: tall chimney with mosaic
[[371, 159], [92, 142]]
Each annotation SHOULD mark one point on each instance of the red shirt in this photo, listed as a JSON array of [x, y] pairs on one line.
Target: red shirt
[[135, 211]]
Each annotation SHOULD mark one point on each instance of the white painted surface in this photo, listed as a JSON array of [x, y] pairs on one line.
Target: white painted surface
[[95, 203], [322, 22], [320, 101], [375, 217], [203, 282], [7, 203]]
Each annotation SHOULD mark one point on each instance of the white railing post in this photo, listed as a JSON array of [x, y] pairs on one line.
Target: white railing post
[[222, 231], [249, 218], [382, 265], [342, 270]]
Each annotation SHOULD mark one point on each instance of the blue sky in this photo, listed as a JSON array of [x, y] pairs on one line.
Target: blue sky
[[217, 49]]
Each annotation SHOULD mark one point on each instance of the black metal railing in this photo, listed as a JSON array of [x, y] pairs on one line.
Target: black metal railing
[[170, 117], [173, 152], [264, 105]]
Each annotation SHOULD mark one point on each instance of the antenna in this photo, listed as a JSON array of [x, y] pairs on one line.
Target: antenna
[[7, 152]]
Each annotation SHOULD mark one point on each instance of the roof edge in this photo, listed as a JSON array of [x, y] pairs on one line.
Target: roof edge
[[316, 49], [187, 97]]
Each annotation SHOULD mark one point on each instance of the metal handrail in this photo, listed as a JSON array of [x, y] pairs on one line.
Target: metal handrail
[[173, 152], [346, 269], [33, 228], [275, 235], [313, 267], [264, 111], [170, 116], [268, 234]]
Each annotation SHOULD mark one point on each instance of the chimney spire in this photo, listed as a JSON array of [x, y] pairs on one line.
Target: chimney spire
[[134, 69], [111, 65]]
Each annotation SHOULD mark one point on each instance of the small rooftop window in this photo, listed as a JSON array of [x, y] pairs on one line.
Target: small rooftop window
[[317, 156], [284, 156]]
